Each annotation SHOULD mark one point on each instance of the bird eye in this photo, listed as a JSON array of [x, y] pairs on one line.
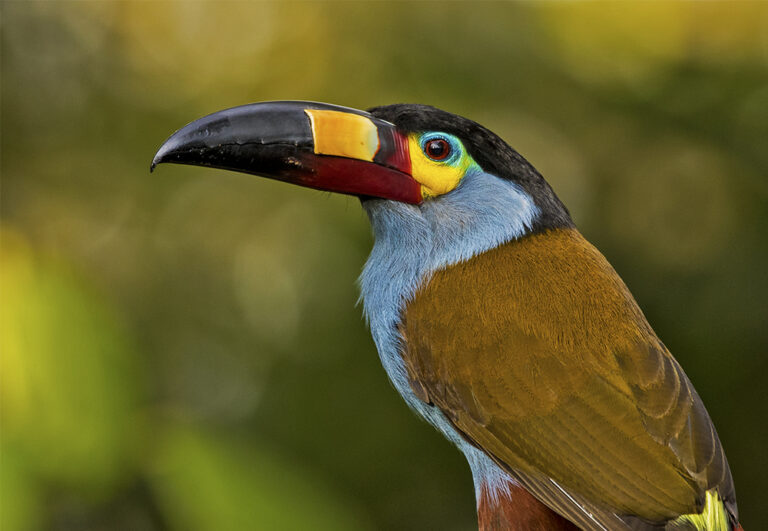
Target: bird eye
[[437, 148]]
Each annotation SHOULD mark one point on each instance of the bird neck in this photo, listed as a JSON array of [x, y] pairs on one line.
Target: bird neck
[[411, 243]]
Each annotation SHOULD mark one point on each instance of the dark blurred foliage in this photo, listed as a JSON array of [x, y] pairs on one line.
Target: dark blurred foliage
[[182, 350]]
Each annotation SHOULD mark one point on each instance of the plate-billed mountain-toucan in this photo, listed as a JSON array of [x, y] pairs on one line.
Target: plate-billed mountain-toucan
[[494, 318]]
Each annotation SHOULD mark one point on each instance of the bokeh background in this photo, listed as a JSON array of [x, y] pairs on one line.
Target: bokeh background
[[183, 351]]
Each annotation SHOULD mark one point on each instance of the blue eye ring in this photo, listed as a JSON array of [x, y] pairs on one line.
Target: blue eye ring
[[439, 147]]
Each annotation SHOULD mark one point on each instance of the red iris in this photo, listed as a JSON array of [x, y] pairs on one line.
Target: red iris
[[437, 149]]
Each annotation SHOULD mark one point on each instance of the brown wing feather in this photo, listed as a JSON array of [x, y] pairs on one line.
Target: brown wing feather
[[537, 352]]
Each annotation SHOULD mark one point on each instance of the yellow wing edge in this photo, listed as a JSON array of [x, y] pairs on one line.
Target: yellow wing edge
[[714, 517]]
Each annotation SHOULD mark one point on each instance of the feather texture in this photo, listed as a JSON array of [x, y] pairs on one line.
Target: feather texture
[[536, 352]]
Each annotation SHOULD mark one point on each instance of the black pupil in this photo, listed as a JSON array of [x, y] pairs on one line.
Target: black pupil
[[438, 149]]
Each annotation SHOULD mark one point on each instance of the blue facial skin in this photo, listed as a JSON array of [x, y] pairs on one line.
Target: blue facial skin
[[414, 241]]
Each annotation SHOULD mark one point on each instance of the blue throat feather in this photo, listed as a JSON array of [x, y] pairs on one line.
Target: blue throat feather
[[414, 241]]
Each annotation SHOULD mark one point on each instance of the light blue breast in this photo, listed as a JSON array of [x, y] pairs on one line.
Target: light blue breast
[[413, 241]]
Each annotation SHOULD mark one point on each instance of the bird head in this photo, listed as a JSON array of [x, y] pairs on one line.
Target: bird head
[[408, 158]]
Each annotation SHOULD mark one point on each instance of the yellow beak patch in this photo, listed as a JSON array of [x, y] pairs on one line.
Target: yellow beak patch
[[343, 134]]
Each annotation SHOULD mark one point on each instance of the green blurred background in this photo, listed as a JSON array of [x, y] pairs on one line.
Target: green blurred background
[[182, 350]]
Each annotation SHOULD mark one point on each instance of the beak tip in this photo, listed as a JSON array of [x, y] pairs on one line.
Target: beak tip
[[160, 157]]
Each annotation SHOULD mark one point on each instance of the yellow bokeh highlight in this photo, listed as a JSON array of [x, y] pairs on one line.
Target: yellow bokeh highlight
[[208, 482], [67, 373], [635, 41]]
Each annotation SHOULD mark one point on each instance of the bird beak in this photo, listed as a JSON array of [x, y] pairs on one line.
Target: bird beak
[[316, 145]]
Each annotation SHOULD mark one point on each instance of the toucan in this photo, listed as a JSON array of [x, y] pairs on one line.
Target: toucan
[[494, 318]]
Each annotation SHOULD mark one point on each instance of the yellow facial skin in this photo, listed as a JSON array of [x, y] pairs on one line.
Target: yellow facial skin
[[437, 177]]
